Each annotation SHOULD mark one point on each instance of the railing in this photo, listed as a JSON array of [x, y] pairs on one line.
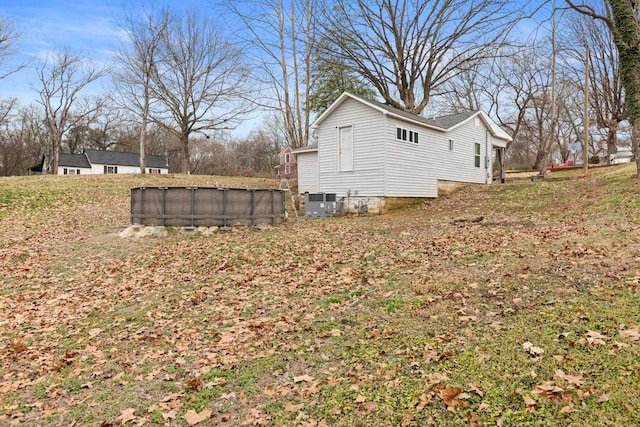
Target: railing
[[206, 206]]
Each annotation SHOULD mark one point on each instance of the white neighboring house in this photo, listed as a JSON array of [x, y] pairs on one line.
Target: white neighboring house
[[368, 151], [624, 155], [108, 162]]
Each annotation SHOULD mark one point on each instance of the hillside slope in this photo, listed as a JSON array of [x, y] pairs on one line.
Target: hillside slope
[[511, 304]]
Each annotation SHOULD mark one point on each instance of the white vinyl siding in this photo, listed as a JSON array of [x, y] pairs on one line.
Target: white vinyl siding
[[308, 172], [100, 169], [459, 164], [409, 165], [73, 170], [395, 156], [367, 177]]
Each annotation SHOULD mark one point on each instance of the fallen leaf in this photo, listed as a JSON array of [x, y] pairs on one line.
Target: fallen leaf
[[194, 417], [530, 404], [126, 416], [290, 407], [571, 379], [474, 388], [360, 399], [424, 401], [94, 332], [483, 406], [448, 395], [194, 383], [531, 349], [548, 390], [604, 397], [171, 415], [566, 409], [301, 378], [633, 333], [595, 338]]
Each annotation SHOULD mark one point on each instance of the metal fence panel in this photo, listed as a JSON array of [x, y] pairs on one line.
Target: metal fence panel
[[206, 206]]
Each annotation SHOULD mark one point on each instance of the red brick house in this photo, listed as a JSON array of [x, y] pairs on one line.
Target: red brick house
[[288, 165]]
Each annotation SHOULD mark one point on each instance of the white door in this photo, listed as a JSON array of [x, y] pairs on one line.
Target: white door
[[345, 147]]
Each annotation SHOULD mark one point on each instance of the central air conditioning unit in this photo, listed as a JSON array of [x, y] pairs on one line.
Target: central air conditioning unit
[[320, 205]]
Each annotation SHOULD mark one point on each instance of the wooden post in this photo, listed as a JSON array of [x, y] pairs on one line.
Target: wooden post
[[585, 145]]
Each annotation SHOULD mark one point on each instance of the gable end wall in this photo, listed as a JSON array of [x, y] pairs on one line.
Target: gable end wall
[[367, 177]]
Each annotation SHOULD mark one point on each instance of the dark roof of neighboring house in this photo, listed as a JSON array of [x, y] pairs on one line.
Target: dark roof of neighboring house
[[118, 158], [37, 167], [73, 160]]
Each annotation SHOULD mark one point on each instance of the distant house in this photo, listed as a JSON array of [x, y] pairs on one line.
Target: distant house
[[38, 168], [288, 164], [622, 156], [73, 164], [109, 162], [368, 152]]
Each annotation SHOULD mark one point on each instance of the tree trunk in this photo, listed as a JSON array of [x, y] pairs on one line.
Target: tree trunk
[[184, 162], [143, 137], [55, 155], [612, 143], [635, 143]]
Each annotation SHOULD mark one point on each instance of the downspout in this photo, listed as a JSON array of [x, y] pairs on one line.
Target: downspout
[[384, 155], [486, 156]]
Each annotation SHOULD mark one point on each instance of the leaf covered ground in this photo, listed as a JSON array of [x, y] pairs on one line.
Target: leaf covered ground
[[514, 304]]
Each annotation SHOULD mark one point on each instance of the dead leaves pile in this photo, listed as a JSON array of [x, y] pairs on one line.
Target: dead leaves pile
[[306, 324]]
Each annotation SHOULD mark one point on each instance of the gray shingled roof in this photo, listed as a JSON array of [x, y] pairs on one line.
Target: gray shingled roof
[[73, 160], [118, 158], [442, 122], [310, 147]]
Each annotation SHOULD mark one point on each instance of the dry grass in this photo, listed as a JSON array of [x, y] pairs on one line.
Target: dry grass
[[412, 318]]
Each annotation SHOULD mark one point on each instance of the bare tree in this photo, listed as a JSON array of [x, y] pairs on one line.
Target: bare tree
[[6, 147], [606, 92], [22, 138], [200, 84], [62, 76], [8, 37], [97, 129], [409, 49], [280, 36], [622, 20], [137, 60]]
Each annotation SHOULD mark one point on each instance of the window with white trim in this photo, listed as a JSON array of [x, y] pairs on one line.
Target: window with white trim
[[287, 169], [154, 170], [477, 155], [110, 169], [287, 158], [406, 135]]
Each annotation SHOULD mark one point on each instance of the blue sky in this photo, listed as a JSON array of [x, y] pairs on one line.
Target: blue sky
[[86, 27]]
